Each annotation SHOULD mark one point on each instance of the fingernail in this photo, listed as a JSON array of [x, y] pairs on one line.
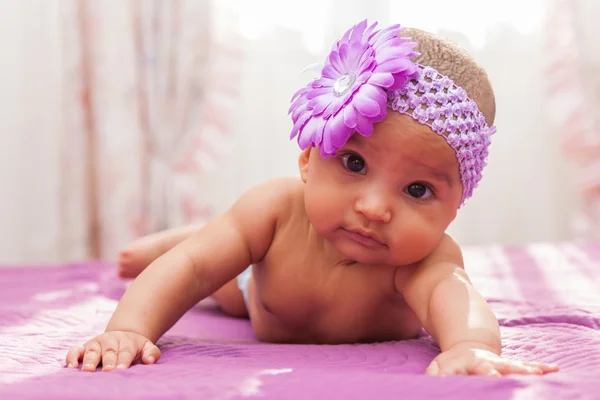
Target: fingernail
[[151, 359], [69, 365], [121, 366]]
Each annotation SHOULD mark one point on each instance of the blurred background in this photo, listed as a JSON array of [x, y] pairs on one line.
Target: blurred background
[[123, 117]]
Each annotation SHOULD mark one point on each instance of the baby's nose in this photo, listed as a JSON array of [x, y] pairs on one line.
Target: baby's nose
[[374, 207]]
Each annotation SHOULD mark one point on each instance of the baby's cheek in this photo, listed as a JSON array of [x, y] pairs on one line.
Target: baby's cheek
[[416, 238], [318, 208]]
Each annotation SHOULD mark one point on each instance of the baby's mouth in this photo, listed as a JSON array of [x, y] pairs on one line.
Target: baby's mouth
[[365, 238]]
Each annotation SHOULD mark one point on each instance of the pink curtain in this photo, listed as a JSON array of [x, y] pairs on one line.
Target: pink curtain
[[573, 81], [148, 88]]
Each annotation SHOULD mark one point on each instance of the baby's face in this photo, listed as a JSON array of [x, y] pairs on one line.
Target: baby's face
[[387, 198]]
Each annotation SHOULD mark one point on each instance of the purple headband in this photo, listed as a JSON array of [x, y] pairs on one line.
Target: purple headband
[[368, 71]]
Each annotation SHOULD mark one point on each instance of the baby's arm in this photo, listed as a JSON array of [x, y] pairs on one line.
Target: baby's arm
[[454, 313], [189, 272]]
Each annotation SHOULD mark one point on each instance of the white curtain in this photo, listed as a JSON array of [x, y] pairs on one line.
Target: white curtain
[[573, 87], [529, 191]]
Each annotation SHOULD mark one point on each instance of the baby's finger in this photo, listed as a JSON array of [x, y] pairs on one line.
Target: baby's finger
[[546, 368], [74, 355], [110, 347], [453, 369], [516, 367], [484, 369], [433, 369], [127, 354], [91, 358], [150, 353]]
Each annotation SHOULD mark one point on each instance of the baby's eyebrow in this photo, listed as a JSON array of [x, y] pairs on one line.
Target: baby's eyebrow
[[437, 173], [441, 176]]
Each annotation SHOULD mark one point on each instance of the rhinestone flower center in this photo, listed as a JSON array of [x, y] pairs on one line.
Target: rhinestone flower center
[[344, 83]]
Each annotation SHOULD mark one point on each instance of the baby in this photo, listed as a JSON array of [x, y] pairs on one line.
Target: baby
[[355, 249]]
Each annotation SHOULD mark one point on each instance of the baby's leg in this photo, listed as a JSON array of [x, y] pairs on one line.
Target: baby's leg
[[230, 300], [139, 254]]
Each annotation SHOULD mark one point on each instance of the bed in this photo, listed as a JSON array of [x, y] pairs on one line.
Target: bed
[[546, 297]]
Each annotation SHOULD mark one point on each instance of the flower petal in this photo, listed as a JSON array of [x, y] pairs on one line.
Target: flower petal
[[350, 117], [318, 135], [322, 82], [344, 38], [390, 53], [301, 109], [355, 54], [344, 50], [327, 148], [373, 92], [384, 35], [322, 151], [383, 113], [383, 79], [363, 125], [367, 100], [300, 92], [299, 124], [358, 30], [337, 63], [367, 63], [394, 66], [337, 130], [366, 106], [307, 133], [318, 104], [334, 107], [329, 72], [364, 77], [400, 80], [370, 30], [316, 92], [300, 100]]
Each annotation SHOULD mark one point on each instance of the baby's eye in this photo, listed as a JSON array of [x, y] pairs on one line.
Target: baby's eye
[[418, 191], [354, 163]]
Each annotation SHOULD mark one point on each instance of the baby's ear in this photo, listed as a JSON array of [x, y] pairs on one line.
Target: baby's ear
[[303, 163]]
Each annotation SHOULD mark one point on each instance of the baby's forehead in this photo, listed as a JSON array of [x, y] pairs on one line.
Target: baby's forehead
[[401, 134], [419, 150]]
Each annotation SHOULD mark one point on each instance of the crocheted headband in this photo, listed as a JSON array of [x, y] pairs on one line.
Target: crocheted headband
[[369, 71]]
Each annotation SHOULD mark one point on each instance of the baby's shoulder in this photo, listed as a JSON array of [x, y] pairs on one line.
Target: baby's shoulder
[[447, 251], [282, 195], [285, 189], [447, 255]]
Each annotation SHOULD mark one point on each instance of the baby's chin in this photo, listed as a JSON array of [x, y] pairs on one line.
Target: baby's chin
[[354, 253], [382, 257]]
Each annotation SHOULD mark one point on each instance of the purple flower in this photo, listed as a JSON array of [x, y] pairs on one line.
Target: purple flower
[[351, 93]]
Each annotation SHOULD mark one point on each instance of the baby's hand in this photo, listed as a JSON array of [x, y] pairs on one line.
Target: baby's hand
[[114, 350], [470, 360]]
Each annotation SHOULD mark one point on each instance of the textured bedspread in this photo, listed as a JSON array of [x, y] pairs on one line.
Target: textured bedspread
[[546, 297]]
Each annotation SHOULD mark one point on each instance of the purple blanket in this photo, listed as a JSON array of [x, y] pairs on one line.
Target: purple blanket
[[546, 297]]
